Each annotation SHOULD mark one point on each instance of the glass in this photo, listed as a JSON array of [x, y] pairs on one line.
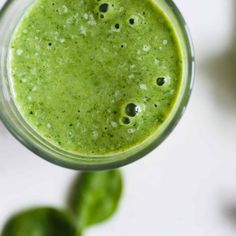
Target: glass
[[10, 15]]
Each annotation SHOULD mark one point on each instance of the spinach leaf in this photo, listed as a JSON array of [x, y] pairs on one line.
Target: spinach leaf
[[95, 197], [40, 222]]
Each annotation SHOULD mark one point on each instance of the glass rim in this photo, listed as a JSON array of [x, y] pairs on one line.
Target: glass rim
[[106, 162]]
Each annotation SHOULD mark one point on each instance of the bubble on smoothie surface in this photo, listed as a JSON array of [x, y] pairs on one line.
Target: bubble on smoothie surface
[[117, 26], [131, 130], [160, 81], [165, 42], [104, 7], [132, 109], [146, 48], [125, 120], [131, 21]]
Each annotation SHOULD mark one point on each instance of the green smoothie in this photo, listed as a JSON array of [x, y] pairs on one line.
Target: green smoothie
[[95, 77]]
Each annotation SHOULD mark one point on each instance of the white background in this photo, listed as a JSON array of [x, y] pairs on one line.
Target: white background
[[185, 187]]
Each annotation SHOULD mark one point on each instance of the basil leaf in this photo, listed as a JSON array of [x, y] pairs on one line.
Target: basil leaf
[[40, 222], [96, 196]]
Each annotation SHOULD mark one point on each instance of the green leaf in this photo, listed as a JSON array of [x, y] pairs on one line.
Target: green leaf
[[95, 197], [40, 222]]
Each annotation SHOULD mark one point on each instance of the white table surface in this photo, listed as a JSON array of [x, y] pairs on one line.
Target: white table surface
[[185, 187]]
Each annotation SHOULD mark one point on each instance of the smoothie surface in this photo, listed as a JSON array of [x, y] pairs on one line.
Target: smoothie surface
[[95, 77]]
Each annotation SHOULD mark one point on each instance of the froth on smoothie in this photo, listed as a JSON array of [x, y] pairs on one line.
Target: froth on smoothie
[[95, 77]]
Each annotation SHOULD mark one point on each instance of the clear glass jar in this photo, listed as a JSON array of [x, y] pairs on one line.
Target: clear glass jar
[[10, 16]]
